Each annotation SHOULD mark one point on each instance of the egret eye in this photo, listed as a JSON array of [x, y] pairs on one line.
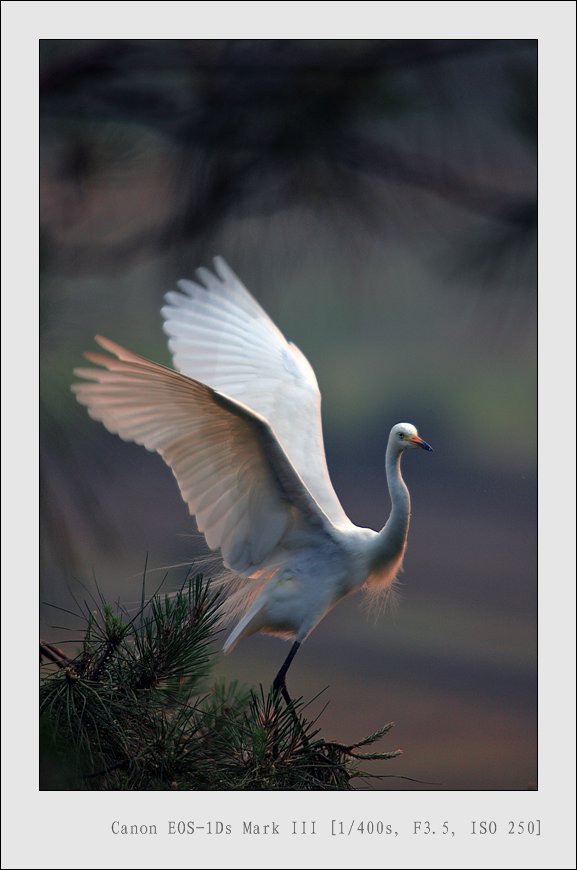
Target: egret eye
[[401, 435]]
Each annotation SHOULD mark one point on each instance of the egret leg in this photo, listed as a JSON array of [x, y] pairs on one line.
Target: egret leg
[[279, 683]]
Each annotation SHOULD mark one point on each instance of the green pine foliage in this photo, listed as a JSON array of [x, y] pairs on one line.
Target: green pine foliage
[[133, 711]]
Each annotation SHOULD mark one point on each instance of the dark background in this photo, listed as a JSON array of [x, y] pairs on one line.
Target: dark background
[[379, 199]]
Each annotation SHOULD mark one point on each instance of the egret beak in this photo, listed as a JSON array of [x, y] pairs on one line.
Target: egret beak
[[418, 442]]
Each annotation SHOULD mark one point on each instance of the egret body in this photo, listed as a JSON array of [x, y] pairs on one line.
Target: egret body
[[239, 424]]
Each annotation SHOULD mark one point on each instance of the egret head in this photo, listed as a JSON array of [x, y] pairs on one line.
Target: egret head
[[405, 435]]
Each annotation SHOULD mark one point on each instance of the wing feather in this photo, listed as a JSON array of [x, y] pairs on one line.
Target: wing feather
[[232, 472], [220, 335]]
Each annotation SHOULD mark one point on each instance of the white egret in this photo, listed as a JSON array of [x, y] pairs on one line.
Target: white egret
[[239, 424]]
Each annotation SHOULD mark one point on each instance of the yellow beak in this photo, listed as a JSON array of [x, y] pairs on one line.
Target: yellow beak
[[416, 439]]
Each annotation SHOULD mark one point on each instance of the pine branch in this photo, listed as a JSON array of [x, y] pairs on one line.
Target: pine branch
[[132, 710], [53, 654]]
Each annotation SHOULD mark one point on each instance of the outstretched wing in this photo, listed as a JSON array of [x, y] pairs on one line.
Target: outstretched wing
[[220, 335], [231, 470]]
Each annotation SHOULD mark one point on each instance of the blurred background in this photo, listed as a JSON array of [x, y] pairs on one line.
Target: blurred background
[[379, 199]]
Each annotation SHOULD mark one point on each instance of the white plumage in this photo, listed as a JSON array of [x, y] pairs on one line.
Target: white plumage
[[239, 423]]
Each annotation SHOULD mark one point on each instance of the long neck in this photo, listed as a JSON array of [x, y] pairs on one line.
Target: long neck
[[392, 538]]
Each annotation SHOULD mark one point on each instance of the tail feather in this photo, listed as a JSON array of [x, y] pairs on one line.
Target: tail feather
[[250, 623]]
